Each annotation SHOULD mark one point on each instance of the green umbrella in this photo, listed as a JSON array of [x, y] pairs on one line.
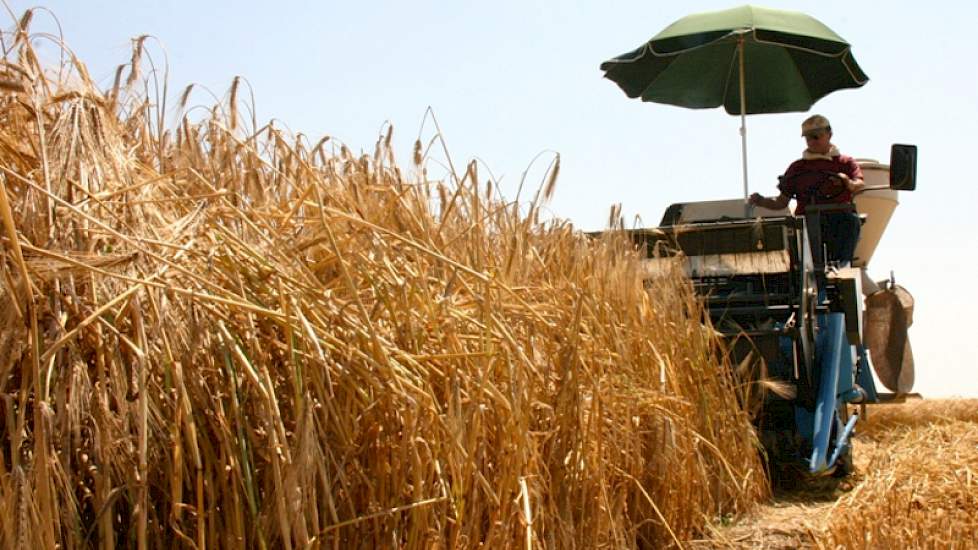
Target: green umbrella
[[748, 59]]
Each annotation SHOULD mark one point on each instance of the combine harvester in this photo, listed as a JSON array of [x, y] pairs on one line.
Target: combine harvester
[[794, 319]]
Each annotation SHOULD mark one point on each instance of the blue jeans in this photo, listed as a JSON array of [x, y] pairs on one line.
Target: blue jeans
[[840, 233]]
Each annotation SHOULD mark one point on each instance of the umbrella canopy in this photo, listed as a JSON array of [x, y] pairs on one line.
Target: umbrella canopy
[[790, 61]]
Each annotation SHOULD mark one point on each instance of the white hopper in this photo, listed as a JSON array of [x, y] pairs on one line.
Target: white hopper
[[878, 203]]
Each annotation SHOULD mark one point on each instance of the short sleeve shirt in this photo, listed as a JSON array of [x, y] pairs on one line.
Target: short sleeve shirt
[[810, 181]]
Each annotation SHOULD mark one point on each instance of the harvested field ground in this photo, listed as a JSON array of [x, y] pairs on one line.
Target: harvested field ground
[[915, 487]]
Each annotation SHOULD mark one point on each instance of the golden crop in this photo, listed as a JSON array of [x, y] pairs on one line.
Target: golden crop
[[218, 334]]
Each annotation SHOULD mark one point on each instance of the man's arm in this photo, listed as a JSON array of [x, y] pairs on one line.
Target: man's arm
[[777, 203], [852, 177]]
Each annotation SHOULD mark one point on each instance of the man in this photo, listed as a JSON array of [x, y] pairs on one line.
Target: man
[[828, 179]]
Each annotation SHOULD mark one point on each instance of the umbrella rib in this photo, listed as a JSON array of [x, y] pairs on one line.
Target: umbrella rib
[[845, 63], [727, 79], [796, 47], [843, 56], [747, 30], [651, 49]]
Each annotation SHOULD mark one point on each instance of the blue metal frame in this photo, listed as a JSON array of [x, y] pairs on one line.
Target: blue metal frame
[[830, 349], [837, 370]]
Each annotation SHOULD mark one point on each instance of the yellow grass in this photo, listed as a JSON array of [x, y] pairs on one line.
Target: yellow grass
[[215, 335], [920, 486], [915, 487]]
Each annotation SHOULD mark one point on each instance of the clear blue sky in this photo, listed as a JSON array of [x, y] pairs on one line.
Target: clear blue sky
[[509, 79]]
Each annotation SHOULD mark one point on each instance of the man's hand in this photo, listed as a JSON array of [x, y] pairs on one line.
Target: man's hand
[[776, 203], [853, 186], [844, 178]]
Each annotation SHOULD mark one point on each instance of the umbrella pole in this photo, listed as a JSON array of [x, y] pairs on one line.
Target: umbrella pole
[[743, 121]]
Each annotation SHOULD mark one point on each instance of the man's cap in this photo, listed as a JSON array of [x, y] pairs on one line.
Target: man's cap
[[815, 122]]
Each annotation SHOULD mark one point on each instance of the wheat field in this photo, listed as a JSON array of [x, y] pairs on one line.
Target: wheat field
[[219, 334]]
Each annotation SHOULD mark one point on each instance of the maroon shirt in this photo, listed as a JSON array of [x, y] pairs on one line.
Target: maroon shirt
[[810, 182]]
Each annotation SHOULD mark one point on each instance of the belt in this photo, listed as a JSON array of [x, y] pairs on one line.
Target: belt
[[842, 208]]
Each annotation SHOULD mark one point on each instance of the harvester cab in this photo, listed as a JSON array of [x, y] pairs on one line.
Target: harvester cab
[[810, 331]]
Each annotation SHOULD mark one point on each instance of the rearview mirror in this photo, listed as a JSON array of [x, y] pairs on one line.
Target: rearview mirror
[[903, 167]]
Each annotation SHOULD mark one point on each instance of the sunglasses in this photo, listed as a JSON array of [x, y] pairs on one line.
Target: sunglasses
[[817, 134]]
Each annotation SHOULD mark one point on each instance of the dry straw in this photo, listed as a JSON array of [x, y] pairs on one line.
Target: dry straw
[[921, 481], [216, 338]]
